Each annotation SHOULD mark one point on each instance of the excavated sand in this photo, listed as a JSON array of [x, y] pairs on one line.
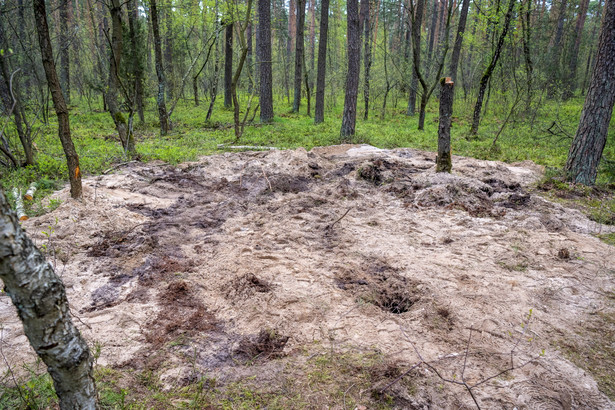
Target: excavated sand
[[217, 250]]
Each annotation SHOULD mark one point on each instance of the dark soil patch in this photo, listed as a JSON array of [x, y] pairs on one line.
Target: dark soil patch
[[103, 297], [380, 284], [182, 313], [268, 344], [517, 201], [289, 183], [245, 286], [156, 268], [115, 244]]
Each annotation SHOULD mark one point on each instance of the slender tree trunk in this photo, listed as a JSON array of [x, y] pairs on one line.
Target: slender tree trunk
[[263, 49], [570, 82], [137, 64], [489, 71], [352, 77], [64, 51], [432, 30], [319, 111], [10, 95], [160, 97], [312, 42], [40, 298], [121, 123], [292, 27], [169, 50], [249, 57], [416, 17], [463, 17], [214, 84], [72, 159], [444, 160], [299, 50], [588, 144], [525, 14], [228, 66], [591, 48], [367, 62], [554, 76]]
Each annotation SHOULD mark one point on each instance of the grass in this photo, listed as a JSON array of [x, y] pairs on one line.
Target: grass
[[192, 136], [320, 380]]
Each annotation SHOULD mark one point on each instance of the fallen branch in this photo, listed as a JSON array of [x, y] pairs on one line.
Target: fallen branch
[[462, 382], [253, 147], [269, 182], [329, 227]]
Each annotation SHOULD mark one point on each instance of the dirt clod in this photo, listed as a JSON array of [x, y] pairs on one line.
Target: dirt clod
[[268, 344]]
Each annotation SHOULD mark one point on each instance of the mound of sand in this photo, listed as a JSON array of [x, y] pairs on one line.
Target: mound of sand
[[345, 248]]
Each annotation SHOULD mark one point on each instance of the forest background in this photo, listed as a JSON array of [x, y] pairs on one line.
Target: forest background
[[533, 68]]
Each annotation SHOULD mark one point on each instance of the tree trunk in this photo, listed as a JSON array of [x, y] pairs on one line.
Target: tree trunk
[[72, 159], [121, 123], [263, 49], [463, 17], [299, 49], [416, 17], [40, 298], [590, 139], [367, 62], [160, 97], [485, 78], [168, 50], [10, 96], [352, 77], [319, 110], [570, 82], [249, 58], [213, 92], [137, 63], [554, 72], [64, 51], [228, 66], [443, 161]]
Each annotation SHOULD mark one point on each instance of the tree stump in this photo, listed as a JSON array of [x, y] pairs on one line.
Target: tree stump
[[443, 160]]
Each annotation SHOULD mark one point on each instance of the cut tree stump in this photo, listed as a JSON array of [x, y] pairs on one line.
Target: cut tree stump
[[443, 160]]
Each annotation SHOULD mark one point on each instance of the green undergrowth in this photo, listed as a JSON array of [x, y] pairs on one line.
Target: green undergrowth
[[311, 380], [525, 137], [597, 202]]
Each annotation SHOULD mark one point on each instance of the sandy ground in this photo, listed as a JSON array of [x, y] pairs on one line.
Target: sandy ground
[[347, 247]]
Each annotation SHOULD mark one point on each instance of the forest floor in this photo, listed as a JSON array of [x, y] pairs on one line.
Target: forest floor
[[296, 279]]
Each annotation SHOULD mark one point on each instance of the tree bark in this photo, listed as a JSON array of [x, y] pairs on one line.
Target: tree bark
[[367, 59], [263, 47], [443, 161], [463, 17], [40, 298], [228, 66], [169, 50], [160, 97], [299, 50], [10, 96], [554, 75], [487, 74], [72, 159], [111, 97], [137, 63], [319, 110], [352, 77], [416, 16], [570, 82], [249, 57], [588, 144], [64, 51]]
